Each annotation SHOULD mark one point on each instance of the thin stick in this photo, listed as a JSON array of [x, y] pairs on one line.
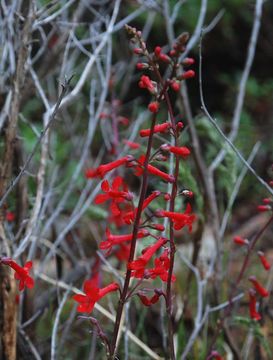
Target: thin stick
[[242, 83], [35, 148], [219, 130], [55, 326]]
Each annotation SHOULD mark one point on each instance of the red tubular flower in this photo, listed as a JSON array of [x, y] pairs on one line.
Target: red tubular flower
[[165, 58], [182, 151], [158, 227], [267, 201], [175, 85], [102, 170], [179, 220], [147, 253], [263, 208], [149, 301], [131, 144], [161, 267], [264, 261], [252, 305], [122, 254], [187, 75], [92, 295], [153, 170], [21, 273], [160, 128], [112, 240], [129, 217], [10, 216], [157, 51], [238, 240], [179, 126], [138, 51], [118, 219], [188, 61], [153, 107], [258, 287], [142, 66], [115, 194], [146, 83]]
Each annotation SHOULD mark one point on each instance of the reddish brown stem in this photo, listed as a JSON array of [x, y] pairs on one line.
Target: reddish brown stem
[[172, 243], [124, 292]]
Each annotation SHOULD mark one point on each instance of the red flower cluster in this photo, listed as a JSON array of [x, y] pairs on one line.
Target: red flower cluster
[[92, 295], [146, 83], [160, 56], [114, 193], [160, 269], [21, 273], [147, 253]]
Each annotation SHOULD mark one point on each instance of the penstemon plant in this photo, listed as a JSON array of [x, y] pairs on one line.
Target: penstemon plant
[[161, 188], [122, 201]]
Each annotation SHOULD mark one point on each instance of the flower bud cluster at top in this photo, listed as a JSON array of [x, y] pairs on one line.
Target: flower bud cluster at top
[[151, 62]]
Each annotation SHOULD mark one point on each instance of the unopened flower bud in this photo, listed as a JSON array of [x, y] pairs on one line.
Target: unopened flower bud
[[138, 51], [238, 240], [165, 58], [264, 261], [188, 61], [187, 75], [263, 208], [142, 66], [153, 107], [175, 85], [157, 51]]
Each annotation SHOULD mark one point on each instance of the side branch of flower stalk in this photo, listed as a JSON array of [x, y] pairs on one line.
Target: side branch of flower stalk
[[244, 266], [133, 241]]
